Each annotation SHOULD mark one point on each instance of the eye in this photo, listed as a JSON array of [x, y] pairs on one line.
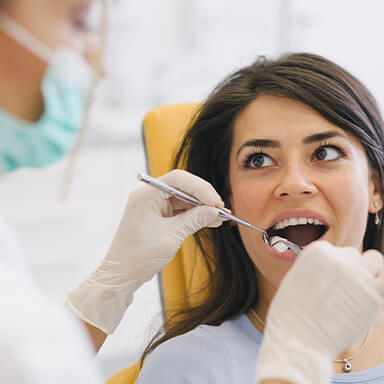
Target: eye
[[80, 23], [257, 160], [328, 153], [83, 17]]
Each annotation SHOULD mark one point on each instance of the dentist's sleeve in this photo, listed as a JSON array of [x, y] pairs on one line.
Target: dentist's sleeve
[[40, 342]]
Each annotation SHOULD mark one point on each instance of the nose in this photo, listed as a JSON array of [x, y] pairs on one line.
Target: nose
[[296, 182], [89, 45]]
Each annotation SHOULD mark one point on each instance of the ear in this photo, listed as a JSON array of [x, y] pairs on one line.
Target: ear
[[375, 193]]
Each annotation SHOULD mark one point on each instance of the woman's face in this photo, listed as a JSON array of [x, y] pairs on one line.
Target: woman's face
[[299, 176]]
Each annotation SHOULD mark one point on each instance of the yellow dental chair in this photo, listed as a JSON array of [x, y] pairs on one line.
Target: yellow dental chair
[[163, 127]]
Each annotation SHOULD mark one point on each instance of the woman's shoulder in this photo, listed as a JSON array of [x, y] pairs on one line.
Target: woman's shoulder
[[194, 357], [204, 355], [238, 330]]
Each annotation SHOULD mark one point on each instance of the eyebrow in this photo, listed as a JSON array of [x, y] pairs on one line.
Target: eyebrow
[[266, 143]]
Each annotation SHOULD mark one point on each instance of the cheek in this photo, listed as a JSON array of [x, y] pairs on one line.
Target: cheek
[[249, 199], [348, 198], [249, 202]]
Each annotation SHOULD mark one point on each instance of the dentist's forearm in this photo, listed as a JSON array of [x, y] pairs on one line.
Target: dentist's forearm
[[97, 336]]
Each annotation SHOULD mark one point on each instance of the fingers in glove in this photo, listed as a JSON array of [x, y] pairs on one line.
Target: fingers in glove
[[194, 219], [179, 206], [195, 186], [372, 260], [380, 283]]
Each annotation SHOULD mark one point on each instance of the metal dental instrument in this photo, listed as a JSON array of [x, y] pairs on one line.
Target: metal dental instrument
[[292, 246], [222, 213]]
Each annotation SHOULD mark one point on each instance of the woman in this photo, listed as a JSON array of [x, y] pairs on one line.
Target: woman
[[294, 145]]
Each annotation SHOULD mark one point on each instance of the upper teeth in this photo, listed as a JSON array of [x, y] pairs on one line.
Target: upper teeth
[[296, 221]]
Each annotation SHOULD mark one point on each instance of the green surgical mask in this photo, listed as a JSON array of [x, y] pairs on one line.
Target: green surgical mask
[[64, 88]]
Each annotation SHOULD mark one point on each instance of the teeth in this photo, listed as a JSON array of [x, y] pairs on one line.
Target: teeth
[[292, 221], [302, 220]]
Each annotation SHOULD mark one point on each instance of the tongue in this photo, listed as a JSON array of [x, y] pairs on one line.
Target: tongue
[[302, 234]]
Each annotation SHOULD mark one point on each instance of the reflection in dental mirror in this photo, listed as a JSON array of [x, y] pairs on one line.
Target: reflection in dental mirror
[[278, 244]]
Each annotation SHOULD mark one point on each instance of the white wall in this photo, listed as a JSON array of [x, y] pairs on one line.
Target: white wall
[[348, 32]]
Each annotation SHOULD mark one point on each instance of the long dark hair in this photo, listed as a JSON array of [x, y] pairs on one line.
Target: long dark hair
[[310, 79]]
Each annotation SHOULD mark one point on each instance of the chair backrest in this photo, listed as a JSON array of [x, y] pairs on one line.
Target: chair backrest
[[163, 128], [127, 375]]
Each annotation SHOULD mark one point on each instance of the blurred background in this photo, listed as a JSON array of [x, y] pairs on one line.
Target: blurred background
[[161, 52]]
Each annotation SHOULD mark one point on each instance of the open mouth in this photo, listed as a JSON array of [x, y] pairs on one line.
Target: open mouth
[[301, 231]]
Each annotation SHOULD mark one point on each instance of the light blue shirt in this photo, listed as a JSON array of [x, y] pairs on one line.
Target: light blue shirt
[[224, 354]]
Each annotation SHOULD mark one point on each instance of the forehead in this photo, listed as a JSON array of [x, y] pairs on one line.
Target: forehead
[[280, 118]]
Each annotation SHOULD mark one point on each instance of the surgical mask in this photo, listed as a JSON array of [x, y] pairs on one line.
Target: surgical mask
[[65, 87]]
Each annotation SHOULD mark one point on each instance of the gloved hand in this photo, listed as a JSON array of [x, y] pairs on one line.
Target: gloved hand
[[328, 299], [151, 231]]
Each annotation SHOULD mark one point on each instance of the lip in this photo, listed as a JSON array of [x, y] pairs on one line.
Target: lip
[[298, 213], [290, 255]]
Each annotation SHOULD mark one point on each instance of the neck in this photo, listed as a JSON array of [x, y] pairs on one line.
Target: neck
[[266, 294], [21, 74], [370, 356]]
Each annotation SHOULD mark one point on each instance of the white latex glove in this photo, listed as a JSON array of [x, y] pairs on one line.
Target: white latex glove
[[329, 298], [151, 231]]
